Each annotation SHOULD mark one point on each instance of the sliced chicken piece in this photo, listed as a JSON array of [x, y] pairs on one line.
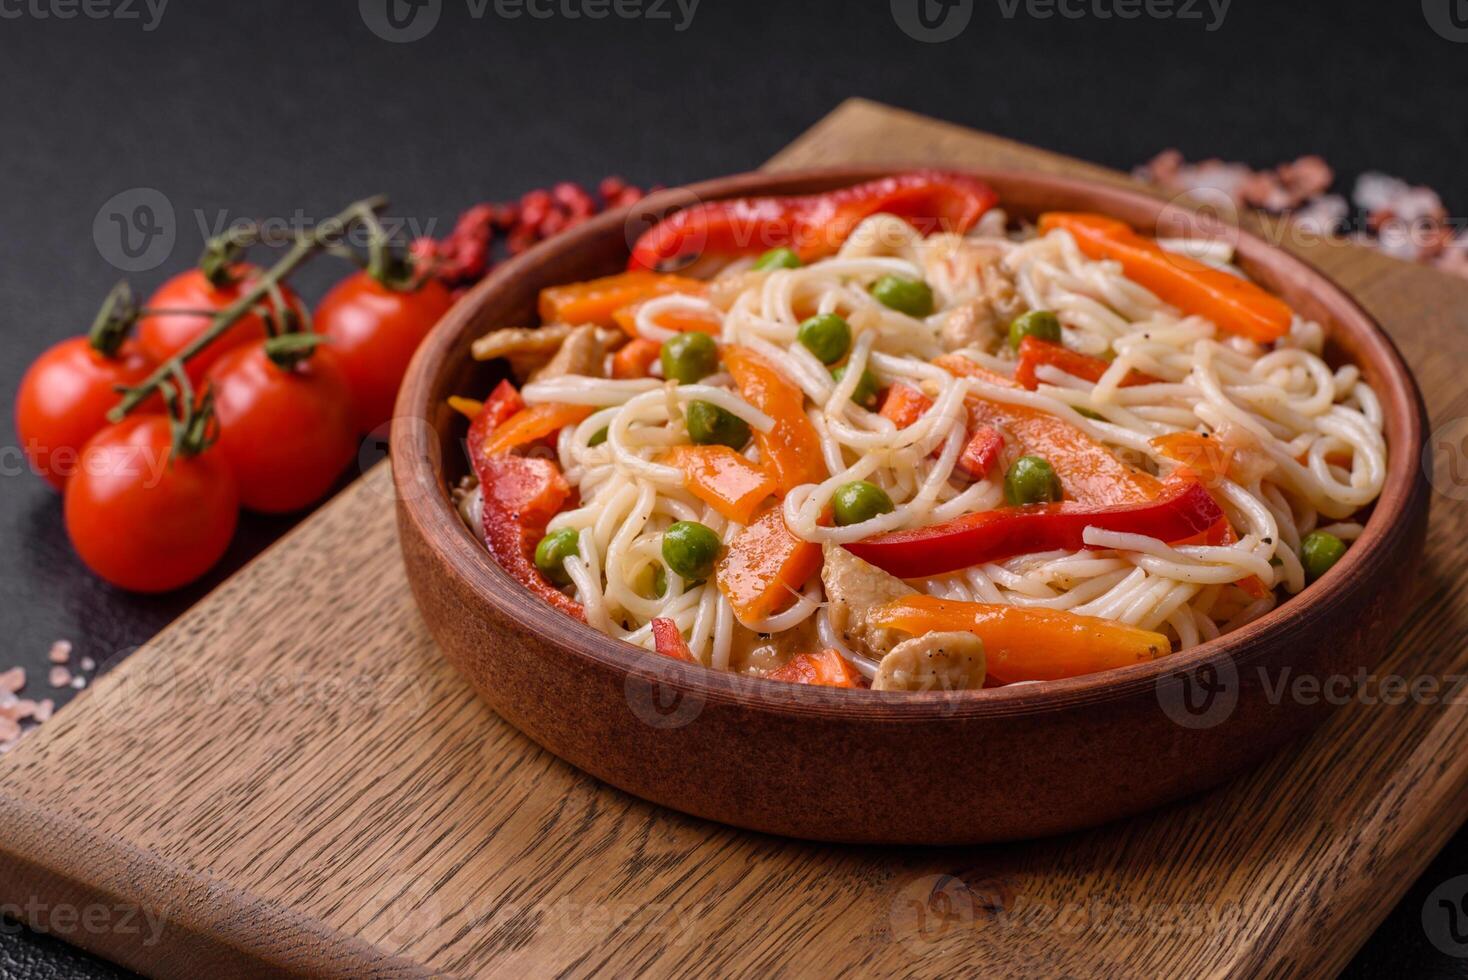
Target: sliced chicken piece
[[582, 353], [853, 589], [933, 662], [986, 298], [529, 348]]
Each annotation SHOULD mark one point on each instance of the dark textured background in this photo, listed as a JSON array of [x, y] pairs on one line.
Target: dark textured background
[[263, 108]]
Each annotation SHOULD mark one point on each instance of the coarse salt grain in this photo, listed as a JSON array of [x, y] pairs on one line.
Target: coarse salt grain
[[59, 677], [18, 710], [43, 711], [60, 652], [78, 682], [88, 664]]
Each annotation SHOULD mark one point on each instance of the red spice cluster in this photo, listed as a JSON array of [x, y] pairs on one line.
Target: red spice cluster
[[468, 252]]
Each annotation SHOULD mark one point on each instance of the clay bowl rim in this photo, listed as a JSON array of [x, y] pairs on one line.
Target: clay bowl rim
[[423, 499]]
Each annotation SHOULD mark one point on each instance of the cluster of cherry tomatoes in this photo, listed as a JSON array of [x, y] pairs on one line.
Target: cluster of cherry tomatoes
[[152, 501]]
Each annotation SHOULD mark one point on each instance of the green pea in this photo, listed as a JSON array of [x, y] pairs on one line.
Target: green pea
[[689, 356], [552, 552], [1318, 552], [827, 336], [778, 258], [1040, 324], [710, 425], [652, 582], [859, 501], [690, 549], [1031, 480], [865, 392], [911, 296], [598, 437]]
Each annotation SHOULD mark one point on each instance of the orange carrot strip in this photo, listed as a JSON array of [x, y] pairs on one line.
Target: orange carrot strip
[[723, 479], [1033, 352], [1206, 459], [904, 405], [765, 567], [1234, 304], [678, 320], [1089, 473], [597, 300], [635, 359], [1031, 644], [468, 407], [530, 424], [825, 669], [791, 449]]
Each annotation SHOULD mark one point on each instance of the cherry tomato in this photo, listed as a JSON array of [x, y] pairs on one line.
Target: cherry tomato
[[374, 331], [64, 399], [287, 433], [144, 518], [163, 336]]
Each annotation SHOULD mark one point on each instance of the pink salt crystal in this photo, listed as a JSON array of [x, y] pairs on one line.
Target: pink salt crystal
[[43, 710], [60, 652], [88, 664], [18, 710], [59, 677], [12, 680], [78, 682], [9, 729]]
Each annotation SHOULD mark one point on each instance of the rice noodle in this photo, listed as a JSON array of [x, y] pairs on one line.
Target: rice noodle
[[1311, 435]]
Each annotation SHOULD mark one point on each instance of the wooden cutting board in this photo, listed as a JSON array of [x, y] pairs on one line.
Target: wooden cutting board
[[290, 778]]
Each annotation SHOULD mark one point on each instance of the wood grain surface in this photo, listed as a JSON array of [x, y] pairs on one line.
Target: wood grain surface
[[290, 778]]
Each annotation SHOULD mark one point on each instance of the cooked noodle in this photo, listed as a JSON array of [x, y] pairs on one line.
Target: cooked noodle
[[1309, 438]]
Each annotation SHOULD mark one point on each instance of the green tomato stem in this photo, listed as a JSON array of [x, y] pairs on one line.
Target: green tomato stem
[[304, 248]]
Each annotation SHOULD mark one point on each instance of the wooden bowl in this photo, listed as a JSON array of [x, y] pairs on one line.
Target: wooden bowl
[[841, 765]]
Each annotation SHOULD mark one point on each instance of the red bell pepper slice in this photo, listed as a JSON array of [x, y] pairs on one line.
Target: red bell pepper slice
[[814, 225], [1183, 509], [520, 495], [981, 453], [668, 640], [497, 409]]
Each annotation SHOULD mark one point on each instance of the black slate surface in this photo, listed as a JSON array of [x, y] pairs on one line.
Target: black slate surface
[[284, 109]]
